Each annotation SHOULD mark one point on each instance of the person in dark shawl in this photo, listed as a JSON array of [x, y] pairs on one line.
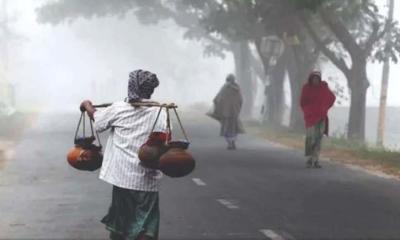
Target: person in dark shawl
[[134, 212], [316, 100], [227, 106]]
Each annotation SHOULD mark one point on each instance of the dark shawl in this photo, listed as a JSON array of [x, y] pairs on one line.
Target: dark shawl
[[227, 106]]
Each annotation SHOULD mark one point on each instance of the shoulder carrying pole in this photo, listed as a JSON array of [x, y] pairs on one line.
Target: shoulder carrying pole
[[141, 104], [161, 106]]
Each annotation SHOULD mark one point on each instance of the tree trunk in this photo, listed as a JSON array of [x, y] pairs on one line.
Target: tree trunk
[[244, 76], [299, 66], [358, 91], [356, 124], [275, 93]]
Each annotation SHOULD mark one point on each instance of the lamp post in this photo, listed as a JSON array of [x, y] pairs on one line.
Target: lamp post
[[271, 49]]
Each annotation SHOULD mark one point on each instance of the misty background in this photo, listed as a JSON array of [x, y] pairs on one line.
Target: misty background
[[55, 67]]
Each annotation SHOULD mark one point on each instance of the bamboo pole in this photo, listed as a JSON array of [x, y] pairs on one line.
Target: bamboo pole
[[142, 104]]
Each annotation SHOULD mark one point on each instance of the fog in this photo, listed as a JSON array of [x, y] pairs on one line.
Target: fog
[[55, 67], [277, 155]]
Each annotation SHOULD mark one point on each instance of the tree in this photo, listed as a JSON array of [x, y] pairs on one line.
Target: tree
[[185, 13], [7, 87], [359, 29], [348, 33], [254, 20]]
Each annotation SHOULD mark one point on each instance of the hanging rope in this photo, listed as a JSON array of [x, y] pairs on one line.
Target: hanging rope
[[84, 124], [98, 139], [155, 122], [82, 121], [79, 124], [169, 133], [169, 128], [180, 125], [93, 132], [161, 107]]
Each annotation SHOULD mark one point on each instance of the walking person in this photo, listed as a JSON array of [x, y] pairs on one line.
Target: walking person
[[134, 212], [227, 106], [316, 100]]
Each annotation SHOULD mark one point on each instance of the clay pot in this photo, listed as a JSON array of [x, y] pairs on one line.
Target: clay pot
[[149, 155], [177, 162], [151, 151], [159, 137], [85, 159]]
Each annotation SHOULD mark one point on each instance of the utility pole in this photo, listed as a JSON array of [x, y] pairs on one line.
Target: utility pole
[[385, 83]]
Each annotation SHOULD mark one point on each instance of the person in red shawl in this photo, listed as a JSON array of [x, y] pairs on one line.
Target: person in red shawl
[[316, 100]]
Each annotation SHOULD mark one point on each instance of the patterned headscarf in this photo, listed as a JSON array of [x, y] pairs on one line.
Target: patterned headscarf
[[141, 85]]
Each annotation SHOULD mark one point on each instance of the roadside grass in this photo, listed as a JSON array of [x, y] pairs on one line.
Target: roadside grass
[[336, 149]]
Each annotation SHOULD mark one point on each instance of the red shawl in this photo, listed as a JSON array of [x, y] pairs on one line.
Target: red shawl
[[315, 102]]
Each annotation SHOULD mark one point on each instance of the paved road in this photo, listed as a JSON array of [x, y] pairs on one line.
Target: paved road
[[260, 191]]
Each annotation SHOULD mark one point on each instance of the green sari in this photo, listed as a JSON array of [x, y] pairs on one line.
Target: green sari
[[314, 137], [133, 213]]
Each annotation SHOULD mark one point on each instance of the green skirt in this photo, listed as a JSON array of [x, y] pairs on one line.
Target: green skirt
[[314, 137], [133, 213]]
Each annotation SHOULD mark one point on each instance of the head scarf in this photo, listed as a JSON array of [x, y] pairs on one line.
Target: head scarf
[[141, 85], [315, 73], [230, 78]]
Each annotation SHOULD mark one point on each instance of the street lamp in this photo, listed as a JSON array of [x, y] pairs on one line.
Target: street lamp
[[271, 48]]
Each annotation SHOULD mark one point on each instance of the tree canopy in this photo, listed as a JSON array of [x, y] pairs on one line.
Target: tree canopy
[[347, 33]]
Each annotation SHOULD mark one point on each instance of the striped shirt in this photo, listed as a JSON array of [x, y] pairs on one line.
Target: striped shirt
[[129, 129]]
